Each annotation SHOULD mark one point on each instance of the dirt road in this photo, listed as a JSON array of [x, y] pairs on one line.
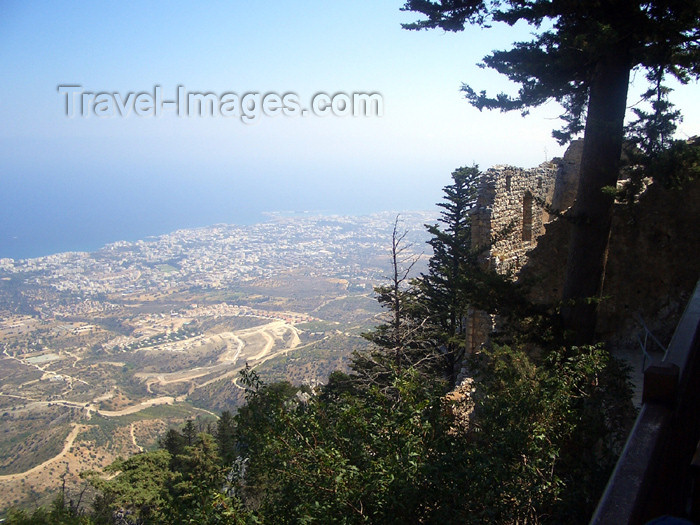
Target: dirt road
[[66, 448]]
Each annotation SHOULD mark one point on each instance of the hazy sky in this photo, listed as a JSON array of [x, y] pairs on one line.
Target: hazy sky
[[90, 179]]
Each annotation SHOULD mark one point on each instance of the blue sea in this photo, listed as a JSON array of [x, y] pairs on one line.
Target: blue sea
[[59, 214], [49, 233]]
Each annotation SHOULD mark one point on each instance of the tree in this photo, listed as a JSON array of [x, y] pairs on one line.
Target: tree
[[582, 57], [534, 442], [155, 487], [226, 437], [395, 334], [444, 289], [196, 488], [399, 341], [650, 151], [541, 440], [173, 442], [189, 433], [138, 488], [356, 456]]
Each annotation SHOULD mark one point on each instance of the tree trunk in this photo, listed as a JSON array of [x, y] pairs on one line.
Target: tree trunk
[[592, 210]]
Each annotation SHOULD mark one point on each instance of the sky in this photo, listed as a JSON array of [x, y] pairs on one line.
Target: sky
[[78, 183]]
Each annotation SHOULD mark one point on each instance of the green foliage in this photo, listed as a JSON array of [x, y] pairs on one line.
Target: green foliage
[[677, 165], [226, 437], [572, 40], [538, 446], [653, 130], [60, 513], [674, 166], [173, 442], [651, 152], [179, 483], [447, 290], [189, 433], [196, 489], [552, 427], [346, 458], [138, 490]]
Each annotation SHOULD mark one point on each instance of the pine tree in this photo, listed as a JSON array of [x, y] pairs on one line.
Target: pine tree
[[189, 433], [226, 437], [445, 289], [173, 442], [197, 483]]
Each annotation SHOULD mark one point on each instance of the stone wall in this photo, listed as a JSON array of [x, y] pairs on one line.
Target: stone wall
[[509, 219], [653, 259], [509, 208]]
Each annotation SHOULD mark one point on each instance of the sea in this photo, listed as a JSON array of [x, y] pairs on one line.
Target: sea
[[62, 225], [58, 210]]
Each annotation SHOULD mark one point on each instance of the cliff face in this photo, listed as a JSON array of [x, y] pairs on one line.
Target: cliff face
[[653, 263]]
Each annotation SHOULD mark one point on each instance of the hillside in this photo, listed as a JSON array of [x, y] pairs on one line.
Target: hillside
[[103, 352]]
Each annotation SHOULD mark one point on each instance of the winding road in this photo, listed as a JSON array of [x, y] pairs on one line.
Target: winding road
[[234, 344], [66, 448]]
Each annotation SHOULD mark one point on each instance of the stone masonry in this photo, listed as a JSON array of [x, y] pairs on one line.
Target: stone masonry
[[652, 262], [508, 219]]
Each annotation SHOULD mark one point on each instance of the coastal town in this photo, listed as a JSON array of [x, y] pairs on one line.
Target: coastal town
[[352, 249]]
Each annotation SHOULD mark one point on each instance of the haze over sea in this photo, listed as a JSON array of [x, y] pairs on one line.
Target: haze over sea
[[84, 214]]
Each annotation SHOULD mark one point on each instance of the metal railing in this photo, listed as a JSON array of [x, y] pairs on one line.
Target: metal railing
[[643, 342]]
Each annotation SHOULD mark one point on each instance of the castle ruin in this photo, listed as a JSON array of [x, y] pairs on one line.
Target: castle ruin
[[652, 264], [509, 209]]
